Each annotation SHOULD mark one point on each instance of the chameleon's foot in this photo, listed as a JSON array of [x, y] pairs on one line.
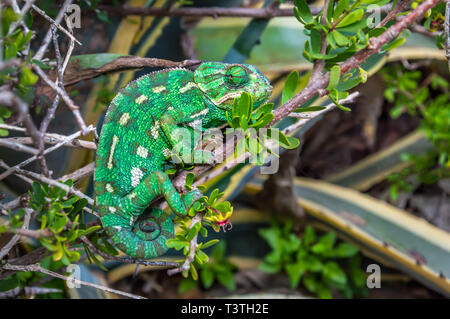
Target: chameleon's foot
[[191, 197]]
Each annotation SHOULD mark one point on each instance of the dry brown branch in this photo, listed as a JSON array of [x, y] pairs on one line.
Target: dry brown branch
[[77, 74]]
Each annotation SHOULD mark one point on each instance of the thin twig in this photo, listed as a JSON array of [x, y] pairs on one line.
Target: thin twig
[[26, 222], [49, 138], [48, 150], [18, 171], [53, 22], [62, 92], [38, 268], [9, 99], [28, 291], [192, 248], [48, 37]]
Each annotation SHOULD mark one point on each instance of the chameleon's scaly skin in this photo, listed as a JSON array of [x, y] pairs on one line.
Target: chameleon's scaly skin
[[136, 141]]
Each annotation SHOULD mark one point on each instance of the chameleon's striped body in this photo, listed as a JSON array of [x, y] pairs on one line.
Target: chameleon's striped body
[[137, 140]]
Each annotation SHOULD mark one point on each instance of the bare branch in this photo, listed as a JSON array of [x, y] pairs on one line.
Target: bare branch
[[62, 92], [53, 22], [192, 247], [48, 150], [41, 51], [38, 268], [26, 222]]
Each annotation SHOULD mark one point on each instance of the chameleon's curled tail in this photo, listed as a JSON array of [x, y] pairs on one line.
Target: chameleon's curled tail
[[142, 237]]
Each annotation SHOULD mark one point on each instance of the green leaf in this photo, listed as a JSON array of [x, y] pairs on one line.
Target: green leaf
[[334, 273], [190, 179], [309, 236], [186, 284], [303, 10], [27, 77], [325, 243], [209, 243], [310, 109], [323, 291], [90, 230], [376, 32], [193, 231], [176, 243], [295, 272], [41, 64], [218, 251], [352, 17], [269, 268], [262, 110], [207, 277], [290, 86], [271, 235], [345, 250], [394, 44], [335, 74], [8, 283], [201, 256], [339, 38], [340, 8], [193, 272], [226, 278], [312, 263]]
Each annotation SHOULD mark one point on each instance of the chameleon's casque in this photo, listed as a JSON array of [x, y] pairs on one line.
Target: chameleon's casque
[[137, 140]]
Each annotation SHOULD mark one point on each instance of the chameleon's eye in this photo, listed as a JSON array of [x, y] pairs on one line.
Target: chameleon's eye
[[236, 76]]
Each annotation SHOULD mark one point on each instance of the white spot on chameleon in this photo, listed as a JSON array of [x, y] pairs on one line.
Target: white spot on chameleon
[[111, 153], [166, 152], [109, 188], [141, 99], [142, 152], [155, 130], [195, 123], [187, 87], [132, 195], [170, 108], [118, 228], [136, 176], [112, 209], [124, 118], [203, 112], [158, 89]]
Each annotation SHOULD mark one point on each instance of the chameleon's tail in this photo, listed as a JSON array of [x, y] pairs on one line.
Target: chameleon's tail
[[144, 237]]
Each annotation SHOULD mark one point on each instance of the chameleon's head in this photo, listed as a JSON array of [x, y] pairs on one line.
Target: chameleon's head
[[223, 82]]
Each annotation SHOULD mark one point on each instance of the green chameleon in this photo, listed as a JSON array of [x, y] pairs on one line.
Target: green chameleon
[[137, 141]]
